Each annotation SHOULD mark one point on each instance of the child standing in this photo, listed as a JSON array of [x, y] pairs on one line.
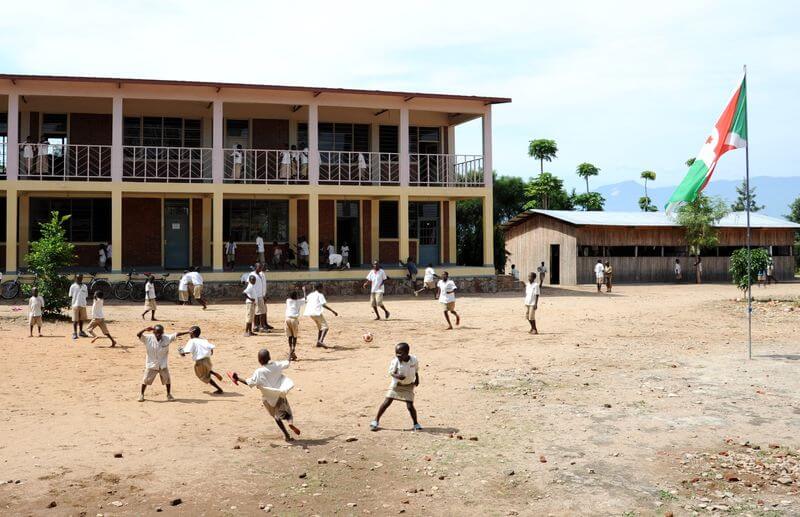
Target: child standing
[[375, 279], [277, 256], [446, 291], [78, 292], [532, 291], [230, 253], [274, 386], [345, 255], [293, 306], [98, 319], [35, 305], [404, 371], [201, 351], [150, 298], [157, 362], [251, 294], [315, 302]]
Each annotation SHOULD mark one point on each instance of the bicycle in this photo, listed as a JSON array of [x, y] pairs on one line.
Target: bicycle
[[10, 289], [124, 290], [166, 289], [99, 284]]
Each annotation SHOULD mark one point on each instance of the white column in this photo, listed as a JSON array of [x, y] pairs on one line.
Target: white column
[[404, 158], [217, 159], [116, 142], [313, 150], [451, 139], [12, 147], [487, 147]]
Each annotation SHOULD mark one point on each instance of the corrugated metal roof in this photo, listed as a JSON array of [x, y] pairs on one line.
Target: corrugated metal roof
[[581, 218]]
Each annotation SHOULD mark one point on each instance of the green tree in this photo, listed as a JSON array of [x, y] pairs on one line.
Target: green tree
[[699, 218], [740, 205], [646, 176], [690, 162], [48, 257], [646, 205], [543, 150], [547, 192], [794, 216], [589, 202], [759, 260], [585, 170]]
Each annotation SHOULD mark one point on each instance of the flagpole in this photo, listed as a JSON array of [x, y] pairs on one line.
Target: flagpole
[[747, 210]]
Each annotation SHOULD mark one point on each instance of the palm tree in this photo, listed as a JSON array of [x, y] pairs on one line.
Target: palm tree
[[585, 170], [543, 150], [647, 175]]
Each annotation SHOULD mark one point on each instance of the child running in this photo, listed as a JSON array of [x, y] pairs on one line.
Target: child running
[[274, 386], [98, 319], [292, 325], [157, 362], [150, 298], [404, 371], [446, 292], [35, 306], [315, 302], [532, 291], [428, 281], [201, 351], [375, 279]]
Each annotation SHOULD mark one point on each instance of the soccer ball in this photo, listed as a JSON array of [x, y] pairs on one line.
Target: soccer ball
[[367, 337]]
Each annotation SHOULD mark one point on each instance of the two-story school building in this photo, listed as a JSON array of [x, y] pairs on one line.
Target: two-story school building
[[167, 171]]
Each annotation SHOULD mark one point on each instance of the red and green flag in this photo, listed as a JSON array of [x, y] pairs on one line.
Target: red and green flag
[[730, 132]]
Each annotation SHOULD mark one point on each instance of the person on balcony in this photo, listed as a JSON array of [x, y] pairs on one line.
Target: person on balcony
[[304, 163], [362, 167], [286, 164], [238, 161], [43, 152], [27, 155]]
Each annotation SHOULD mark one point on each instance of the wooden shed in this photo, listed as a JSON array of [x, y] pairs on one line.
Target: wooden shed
[[641, 246]]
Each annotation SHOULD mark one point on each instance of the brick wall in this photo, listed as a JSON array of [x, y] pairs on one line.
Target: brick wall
[[389, 252], [142, 233], [366, 231], [197, 232]]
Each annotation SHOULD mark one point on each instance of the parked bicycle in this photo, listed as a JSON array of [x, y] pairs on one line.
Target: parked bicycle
[[99, 284], [10, 289], [129, 288], [166, 289]]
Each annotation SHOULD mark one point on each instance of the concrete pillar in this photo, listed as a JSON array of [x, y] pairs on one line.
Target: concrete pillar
[[217, 158], [116, 230], [374, 225], [23, 225], [313, 150], [116, 144], [402, 227], [451, 139], [404, 158], [217, 240], [313, 230], [451, 222], [487, 147], [293, 221], [208, 226], [12, 149], [11, 228], [375, 137], [488, 230]]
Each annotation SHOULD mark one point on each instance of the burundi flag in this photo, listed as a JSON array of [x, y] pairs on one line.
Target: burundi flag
[[730, 132]]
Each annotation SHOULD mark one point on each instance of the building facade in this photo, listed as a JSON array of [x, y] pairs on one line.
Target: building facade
[[167, 171], [641, 246]]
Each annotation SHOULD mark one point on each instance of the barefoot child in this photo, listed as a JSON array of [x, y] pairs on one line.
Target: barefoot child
[[78, 292], [532, 291], [292, 324], [98, 319], [428, 281], [404, 371], [157, 362], [251, 293], [274, 386], [375, 279], [315, 302], [201, 351], [35, 305], [150, 298], [446, 292]]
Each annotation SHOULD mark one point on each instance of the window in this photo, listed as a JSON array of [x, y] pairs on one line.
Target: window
[[54, 125], [90, 219], [3, 124], [337, 137], [162, 132], [676, 251], [620, 251], [650, 251], [424, 140], [238, 129], [590, 251], [421, 210], [388, 139], [132, 131], [387, 224], [244, 219], [781, 251]]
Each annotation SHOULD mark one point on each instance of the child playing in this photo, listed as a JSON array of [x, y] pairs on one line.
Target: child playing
[[532, 291], [428, 281], [251, 293], [150, 298], [277, 255], [157, 362], [78, 292], [315, 302], [293, 306], [201, 351], [98, 319], [35, 305], [446, 291], [376, 278], [345, 255], [274, 386], [230, 253], [404, 371]]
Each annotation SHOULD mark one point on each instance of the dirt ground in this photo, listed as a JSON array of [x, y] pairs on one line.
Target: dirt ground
[[639, 402]]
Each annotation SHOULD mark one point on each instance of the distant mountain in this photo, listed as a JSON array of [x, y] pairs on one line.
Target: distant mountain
[[774, 193]]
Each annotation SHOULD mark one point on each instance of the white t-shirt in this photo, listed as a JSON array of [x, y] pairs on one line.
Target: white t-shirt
[[531, 292], [183, 284], [286, 158], [108, 251], [304, 156], [237, 156], [35, 305], [334, 259], [377, 278], [149, 291], [252, 290], [43, 148], [293, 307], [314, 303], [409, 369], [230, 248], [101, 254], [277, 252], [196, 278], [303, 248], [429, 274], [259, 245], [541, 269], [700, 266], [598, 270], [331, 249], [447, 291], [199, 348], [97, 309], [515, 273], [261, 280], [157, 350], [78, 294], [345, 251], [267, 378], [27, 151], [677, 269]]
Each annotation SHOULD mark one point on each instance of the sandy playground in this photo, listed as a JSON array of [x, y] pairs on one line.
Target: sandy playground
[[635, 403]]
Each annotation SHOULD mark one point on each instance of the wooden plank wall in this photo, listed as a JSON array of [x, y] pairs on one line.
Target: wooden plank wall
[[660, 269], [529, 244], [656, 236]]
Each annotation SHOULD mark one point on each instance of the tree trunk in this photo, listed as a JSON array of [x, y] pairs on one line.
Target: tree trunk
[[541, 165], [645, 190], [587, 184]]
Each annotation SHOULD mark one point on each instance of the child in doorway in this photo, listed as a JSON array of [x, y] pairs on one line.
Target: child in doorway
[[201, 351], [404, 371], [532, 291], [315, 302], [230, 253], [292, 324], [98, 319], [150, 298], [35, 306], [274, 386], [345, 255]]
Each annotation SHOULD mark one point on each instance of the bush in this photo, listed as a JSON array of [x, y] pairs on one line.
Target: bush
[[48, 258], [759, 260]]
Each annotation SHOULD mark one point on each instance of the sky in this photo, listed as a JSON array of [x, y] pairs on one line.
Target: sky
[[625, 85]]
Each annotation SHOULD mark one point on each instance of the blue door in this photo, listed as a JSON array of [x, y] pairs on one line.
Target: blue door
[[176, 233]]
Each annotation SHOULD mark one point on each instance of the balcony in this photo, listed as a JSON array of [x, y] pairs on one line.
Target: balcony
[[64, 162], [276, 167], [166, 164], [446, 170], [353, 168], [2, 160]]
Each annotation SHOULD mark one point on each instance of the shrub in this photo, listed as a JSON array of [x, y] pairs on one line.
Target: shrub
[[48, 258], [759, 260]]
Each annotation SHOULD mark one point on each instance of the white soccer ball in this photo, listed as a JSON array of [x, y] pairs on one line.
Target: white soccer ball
[[367, 337]]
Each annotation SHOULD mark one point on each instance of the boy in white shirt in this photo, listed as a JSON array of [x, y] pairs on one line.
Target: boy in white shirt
[[78, 292], [197, 287], [277, 255], [230, 253], [345, 255], [98, 319], [303, 252], [541, 271], [599, 274], [446, 292], [274, 386], [150, 298], [677, 270], [157, 362], [101, 256], [201, 351], [292, 323], [315, 302], [375, 279], [404, 371], [35, 306], [27, 155], [183, 288], [532, 291], [238, 159], [260, 248], [261, 322], [428, 281], [251, 293]]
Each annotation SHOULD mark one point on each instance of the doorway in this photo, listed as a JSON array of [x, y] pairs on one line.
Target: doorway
[[555, 261], [428, 241], [348, 229], [176, 233]]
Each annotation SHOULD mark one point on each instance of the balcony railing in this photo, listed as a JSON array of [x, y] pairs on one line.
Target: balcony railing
[[64, 162], [266, 166], [166, 164], [354, 168], [2, 159], [446, 170]]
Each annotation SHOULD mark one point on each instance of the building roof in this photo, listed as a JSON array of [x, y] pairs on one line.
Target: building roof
[[311, 89], [650, 219]]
